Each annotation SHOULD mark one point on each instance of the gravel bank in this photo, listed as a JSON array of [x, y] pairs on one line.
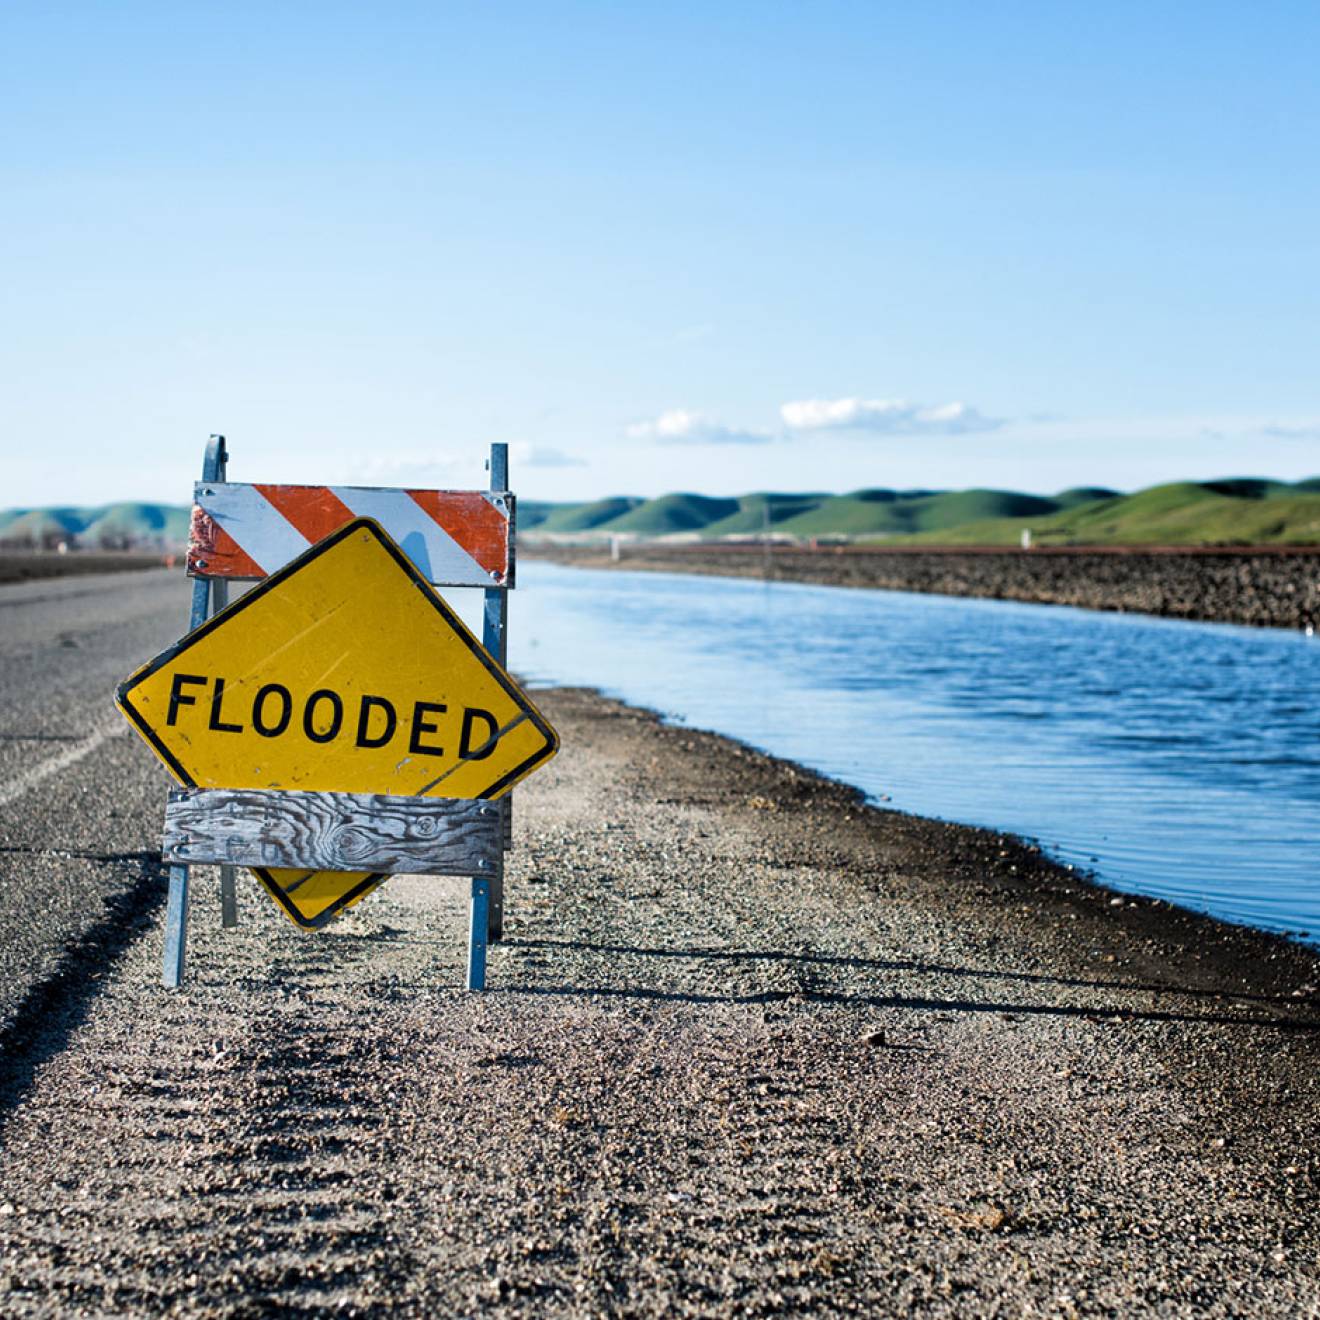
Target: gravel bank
[[26, 566], [751, 1048], [1274, 588]]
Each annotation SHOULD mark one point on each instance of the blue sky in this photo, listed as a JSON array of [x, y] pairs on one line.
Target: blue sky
[[712, 247]]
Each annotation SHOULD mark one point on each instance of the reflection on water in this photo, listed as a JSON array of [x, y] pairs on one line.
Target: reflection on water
[[1175, 759]]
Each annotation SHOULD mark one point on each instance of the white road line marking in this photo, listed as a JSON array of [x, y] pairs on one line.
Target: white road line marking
[[29, 779]]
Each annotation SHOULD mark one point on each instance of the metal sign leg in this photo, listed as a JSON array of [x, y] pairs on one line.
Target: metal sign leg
[[487, 911], [176, 928], [495, 638], [228, 898], [486, 921], [228, 894], [176, 911], [495, 928], [477, 924]]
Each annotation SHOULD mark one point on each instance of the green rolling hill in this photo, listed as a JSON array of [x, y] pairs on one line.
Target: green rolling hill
[[1229, 511], [1070, 499], [755, 512], [674, 513], [39, 526], [129, 523], [890, 513], [120, 526], [862, 513], [1240, 511], [574, 517], [1236, 510]]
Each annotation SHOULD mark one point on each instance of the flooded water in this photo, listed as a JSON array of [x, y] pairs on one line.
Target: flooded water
[[1173, 759]]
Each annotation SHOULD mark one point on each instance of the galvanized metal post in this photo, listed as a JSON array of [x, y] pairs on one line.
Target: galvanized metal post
[[219, 599], [176, 910], [176, 928], [476, 976], [495, 638]]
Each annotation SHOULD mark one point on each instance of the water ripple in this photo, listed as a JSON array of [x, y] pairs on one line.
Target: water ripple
[[1184, 758]]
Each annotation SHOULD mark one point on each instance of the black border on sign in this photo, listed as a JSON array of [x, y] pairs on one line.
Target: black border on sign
[[369, 525], [326, 915]]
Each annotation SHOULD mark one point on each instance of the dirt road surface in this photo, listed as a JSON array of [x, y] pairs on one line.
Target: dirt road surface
[[750, 1048]]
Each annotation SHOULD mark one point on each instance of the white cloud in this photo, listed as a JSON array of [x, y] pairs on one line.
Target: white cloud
[[885, 416], [524, 454], [681, 426]]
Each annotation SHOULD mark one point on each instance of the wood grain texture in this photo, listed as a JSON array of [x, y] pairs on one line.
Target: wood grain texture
[[332, 831]]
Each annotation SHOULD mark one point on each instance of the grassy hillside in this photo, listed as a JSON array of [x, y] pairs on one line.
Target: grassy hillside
[[755, 512], [532, 513], [673, 513], [878, 512], [1070, 499], [128, 523], [41, 526], [107, 526], [582, 517], [1237, 511], [1234, 510], [891, 513]]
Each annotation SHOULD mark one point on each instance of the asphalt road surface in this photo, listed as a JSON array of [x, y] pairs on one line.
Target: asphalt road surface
[[80, 806]]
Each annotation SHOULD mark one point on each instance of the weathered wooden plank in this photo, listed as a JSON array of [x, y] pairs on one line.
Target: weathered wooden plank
[[333, 831], [457, 538]]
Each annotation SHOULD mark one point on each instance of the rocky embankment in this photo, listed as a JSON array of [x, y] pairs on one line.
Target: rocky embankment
[[1272, 587]]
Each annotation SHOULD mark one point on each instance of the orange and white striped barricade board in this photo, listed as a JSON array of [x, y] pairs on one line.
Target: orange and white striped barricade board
[[457, 538], [247, 531]]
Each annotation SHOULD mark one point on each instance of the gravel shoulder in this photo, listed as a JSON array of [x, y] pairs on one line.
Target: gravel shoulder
[[34, 565], [751, 1047]]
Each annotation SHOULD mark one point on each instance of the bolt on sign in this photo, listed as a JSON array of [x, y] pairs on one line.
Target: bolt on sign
[[344, 671]]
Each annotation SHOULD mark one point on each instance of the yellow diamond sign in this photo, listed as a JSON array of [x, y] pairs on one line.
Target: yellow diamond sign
[[343, 672]]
